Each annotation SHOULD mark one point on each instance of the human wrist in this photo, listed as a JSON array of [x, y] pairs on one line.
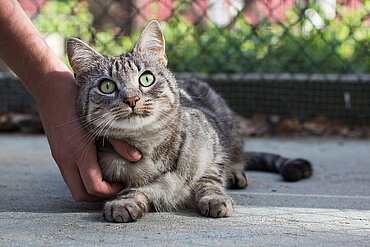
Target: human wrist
[[51, 73], [55, 98], [53, 82]]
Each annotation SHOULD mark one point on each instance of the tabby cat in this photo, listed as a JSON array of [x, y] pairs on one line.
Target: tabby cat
[[191, 149]]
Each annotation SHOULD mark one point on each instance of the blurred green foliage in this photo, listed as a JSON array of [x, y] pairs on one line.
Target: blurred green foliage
[[340, 46]]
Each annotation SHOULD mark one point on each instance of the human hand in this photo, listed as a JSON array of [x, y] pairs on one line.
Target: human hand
[[53, 87], [72, 147]]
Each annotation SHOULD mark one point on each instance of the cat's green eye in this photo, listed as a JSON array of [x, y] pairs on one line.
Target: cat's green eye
[[107, 87], [146, 79]]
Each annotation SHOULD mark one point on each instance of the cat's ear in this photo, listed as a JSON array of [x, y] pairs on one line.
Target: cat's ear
[[80, 55], [152, 40]]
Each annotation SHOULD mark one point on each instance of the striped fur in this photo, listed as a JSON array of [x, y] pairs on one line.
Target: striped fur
[[185, 131]]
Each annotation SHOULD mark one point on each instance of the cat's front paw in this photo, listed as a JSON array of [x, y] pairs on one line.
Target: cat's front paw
[[216, 206], [125, 209], [296, 169]]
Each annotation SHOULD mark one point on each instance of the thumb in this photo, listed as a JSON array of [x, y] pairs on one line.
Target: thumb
[[126, 150]]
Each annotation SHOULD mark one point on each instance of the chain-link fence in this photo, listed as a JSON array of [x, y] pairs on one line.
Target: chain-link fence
[[293, 58]]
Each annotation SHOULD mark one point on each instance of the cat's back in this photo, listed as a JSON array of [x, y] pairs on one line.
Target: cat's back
[[199, 95]]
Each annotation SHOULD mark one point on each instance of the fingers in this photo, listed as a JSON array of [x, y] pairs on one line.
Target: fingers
[[84, 179], [92, 177], [71, 146], [125, 150], [74, 182]]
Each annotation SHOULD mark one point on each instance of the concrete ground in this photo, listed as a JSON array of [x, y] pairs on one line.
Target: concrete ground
[[330, 209]]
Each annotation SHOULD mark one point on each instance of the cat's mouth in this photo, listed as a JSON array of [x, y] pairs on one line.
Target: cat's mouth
[[132, 120], [134, 114]]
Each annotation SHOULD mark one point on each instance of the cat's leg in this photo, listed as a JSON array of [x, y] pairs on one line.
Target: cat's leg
[[128, 206], [210, 197], [236, 178], [169, 192], [290, 169]]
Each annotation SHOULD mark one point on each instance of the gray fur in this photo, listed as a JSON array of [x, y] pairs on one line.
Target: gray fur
[[185, 131]]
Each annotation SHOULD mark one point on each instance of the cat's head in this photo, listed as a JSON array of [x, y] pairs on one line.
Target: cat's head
[[131, 91]]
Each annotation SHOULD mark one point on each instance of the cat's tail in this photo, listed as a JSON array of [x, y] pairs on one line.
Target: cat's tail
[[290, 169]]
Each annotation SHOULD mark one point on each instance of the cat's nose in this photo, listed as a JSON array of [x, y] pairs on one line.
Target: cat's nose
[[132, 101]]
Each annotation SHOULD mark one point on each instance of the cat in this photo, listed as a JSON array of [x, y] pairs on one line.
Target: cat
[[188, 136]]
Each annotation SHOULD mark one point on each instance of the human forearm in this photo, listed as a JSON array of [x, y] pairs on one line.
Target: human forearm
[[24, 50]]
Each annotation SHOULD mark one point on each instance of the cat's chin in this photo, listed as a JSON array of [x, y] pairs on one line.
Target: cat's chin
[[133, 122]]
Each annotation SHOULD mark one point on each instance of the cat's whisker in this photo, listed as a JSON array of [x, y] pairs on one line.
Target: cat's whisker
[[80, 139], [101, 125], [88, 144], [79, 120], [82, 121], [106, 124], [85, 125], [147, 108], [69, 122], [108, 128], [89, 136], [120, 111], [98, 115], [89, 140], [85, 140]]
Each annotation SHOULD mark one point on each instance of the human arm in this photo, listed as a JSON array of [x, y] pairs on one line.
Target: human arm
[[52, 85]]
